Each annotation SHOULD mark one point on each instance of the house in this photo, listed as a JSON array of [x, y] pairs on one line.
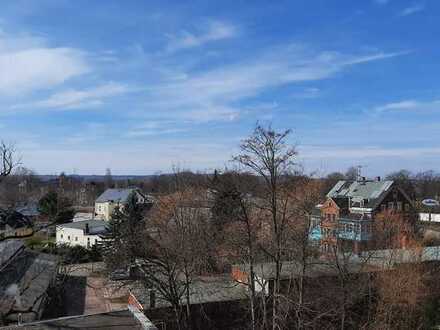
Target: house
[[14, 224], [347, 216], [83, 233], [26, 277], [130, 318], [110, 199]]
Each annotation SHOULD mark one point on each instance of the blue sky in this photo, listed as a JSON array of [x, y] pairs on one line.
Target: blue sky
[[140, 86]]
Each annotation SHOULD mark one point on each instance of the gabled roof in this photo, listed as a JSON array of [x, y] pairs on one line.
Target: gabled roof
[[370, 191], [25, 277], [115, 195]]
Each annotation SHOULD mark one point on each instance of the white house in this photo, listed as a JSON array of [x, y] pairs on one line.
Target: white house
[[84, 233], [112, 198]]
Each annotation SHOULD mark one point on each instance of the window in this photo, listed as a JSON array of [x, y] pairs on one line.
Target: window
[[383, 207], [406, 207], [68, 237], [333, 217], [399, 206], [390, 205], [76, 239], [61, 236]]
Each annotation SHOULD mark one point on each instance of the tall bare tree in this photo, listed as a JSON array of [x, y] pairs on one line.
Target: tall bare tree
[[8, 159], [267, 153]]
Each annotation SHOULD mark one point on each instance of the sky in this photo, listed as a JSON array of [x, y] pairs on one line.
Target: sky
[[144, 86]]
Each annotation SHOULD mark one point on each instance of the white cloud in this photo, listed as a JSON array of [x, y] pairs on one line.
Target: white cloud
[[27, 63], [212, 31], [410, 105], [37, 68], [214, 94], [411, 10], [155, 128], [76, 99]]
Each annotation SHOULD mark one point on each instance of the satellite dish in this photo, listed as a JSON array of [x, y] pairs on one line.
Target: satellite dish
[[430, 202]]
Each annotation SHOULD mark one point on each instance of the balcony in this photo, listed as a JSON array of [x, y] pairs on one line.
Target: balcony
[[344, 228]]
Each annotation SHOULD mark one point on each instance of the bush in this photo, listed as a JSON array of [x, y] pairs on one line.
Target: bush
[[74, 254]]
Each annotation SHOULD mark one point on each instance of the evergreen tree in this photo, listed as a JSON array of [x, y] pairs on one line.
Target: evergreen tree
[[57, 209], [124, 225]]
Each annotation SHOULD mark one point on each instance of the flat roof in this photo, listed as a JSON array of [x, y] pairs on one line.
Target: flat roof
[[95, 226], [203, 290]]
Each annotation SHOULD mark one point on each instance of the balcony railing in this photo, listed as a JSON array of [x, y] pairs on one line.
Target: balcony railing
[[344, 228]]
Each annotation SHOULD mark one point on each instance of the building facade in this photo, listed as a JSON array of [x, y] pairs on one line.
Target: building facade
[[111, 199], [83, 233], [347, 217]]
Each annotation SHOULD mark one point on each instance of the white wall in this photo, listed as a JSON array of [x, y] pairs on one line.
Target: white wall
[[73, 236], [105, 210], [435, 217], [260, 285]]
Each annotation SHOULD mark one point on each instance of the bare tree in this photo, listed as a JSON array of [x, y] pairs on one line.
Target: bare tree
[[8, 159], [169, 247], [267, 154]]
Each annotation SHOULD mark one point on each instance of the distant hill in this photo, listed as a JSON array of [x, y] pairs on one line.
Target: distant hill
[[99, 178]]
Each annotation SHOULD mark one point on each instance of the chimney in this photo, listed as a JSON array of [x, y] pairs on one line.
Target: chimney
[[87, 230]]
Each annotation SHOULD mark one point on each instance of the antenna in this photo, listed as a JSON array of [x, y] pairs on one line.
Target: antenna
[[359, 171]]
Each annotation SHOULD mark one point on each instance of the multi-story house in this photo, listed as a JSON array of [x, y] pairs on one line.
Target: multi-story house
[[346, 218], [85, 233], [110, 199]]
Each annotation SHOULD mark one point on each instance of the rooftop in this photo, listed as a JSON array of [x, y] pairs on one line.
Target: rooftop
[[95, 226], [83, 216], [13, 219], [204, 289], [117, 320], [370, 191], [115, 195], [25, 277]]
